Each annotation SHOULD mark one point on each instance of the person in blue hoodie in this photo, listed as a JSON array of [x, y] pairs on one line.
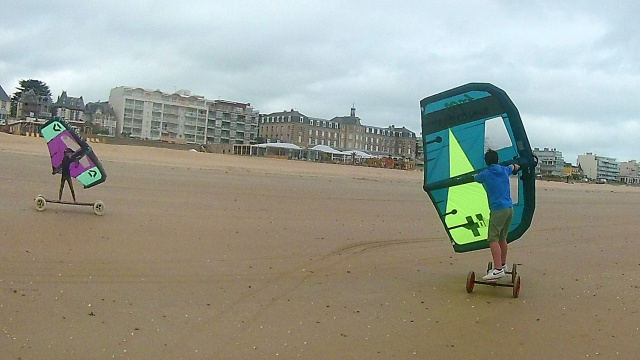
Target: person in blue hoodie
[[495, 179]]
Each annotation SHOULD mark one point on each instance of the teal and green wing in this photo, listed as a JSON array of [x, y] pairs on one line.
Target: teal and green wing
[[458, 126]]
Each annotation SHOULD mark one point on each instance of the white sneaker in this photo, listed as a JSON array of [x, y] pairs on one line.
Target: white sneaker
[[494, 275], [505, 267]]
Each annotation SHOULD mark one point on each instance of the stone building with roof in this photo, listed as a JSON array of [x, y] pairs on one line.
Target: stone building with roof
[[34, 106], [341, 132], [68, 108], [101, 115]]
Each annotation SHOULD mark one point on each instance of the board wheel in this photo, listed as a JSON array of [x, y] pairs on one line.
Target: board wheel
[[514, 272], [489, 266], [471, 281], [41, 203], [516, 286], [98, 207]]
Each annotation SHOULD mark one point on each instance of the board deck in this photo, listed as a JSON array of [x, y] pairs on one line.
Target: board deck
[[69, 202], [41, 204]]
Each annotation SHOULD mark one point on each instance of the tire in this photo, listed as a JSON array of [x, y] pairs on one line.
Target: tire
[[514, 272], [516, 286], [98, 207], [489, 266], [41, 203], [471, 281]]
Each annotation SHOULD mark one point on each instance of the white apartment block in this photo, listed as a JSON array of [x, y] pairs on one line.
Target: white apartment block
[[182, 117], [550, 161], [231, 123], [599, 168]]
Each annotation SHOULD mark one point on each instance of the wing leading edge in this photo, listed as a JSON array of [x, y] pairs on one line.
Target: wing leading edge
[[458, 126]]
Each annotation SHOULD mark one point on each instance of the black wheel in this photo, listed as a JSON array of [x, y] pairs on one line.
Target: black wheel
[[514, 272], [471, 281], [516, 286], [489, 266]]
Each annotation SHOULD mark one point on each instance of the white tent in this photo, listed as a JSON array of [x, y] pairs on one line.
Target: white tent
[[358, 154], [278, 145], [292, 151], [326, 149]]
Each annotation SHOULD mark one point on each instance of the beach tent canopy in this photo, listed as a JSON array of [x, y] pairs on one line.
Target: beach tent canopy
[[327, 149], [278, 145], [358, 153]]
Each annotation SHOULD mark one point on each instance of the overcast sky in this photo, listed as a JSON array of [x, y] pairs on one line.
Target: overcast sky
[[571, 67]]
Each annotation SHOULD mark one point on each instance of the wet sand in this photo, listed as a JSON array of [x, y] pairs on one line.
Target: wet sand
[[208, 256]]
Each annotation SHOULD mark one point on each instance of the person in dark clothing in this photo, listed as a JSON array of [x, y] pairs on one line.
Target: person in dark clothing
[[66, 173]]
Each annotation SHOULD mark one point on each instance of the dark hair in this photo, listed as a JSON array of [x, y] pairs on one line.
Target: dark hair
[[491, 157], [68, 150]]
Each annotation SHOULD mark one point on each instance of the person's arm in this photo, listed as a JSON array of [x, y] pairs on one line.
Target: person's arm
[[57, 169], [514, 168]]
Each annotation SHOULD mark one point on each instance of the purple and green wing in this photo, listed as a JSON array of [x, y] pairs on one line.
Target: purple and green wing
[[87, 168]]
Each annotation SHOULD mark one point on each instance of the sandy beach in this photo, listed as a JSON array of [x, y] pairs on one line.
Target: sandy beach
[[210, 256]]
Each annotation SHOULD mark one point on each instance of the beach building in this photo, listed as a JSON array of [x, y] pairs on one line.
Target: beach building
[[100, 114], [630, 172], [572, 171], [599, 168], [181, 117], [68, 108], [5, 106], [550, 162], [341, 132], [31, 105], [231, 122]]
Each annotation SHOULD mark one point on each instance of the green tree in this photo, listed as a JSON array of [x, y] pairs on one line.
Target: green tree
[[39, 87]]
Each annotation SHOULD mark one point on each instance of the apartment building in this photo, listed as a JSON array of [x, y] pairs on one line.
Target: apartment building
[[550, 162], [630, 172], [231, 123], [342, 133], [181, 117], [599, 168]]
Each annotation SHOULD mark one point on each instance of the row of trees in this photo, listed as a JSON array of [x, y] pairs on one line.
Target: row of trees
[[40, 88]]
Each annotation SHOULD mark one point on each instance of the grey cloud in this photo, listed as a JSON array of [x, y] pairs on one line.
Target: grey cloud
[[572, 66]]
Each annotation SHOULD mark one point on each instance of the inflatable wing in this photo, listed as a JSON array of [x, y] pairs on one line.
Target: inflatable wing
[[458, 126], [87, 168]]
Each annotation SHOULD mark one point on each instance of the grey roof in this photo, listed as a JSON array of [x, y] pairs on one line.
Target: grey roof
[[103, 106], [346, 120], [287, 113], [68, 102], [3, 95]]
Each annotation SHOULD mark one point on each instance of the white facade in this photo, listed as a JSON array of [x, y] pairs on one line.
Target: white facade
[[152, 114], [231, 123], [550, 162], [599, 168]]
